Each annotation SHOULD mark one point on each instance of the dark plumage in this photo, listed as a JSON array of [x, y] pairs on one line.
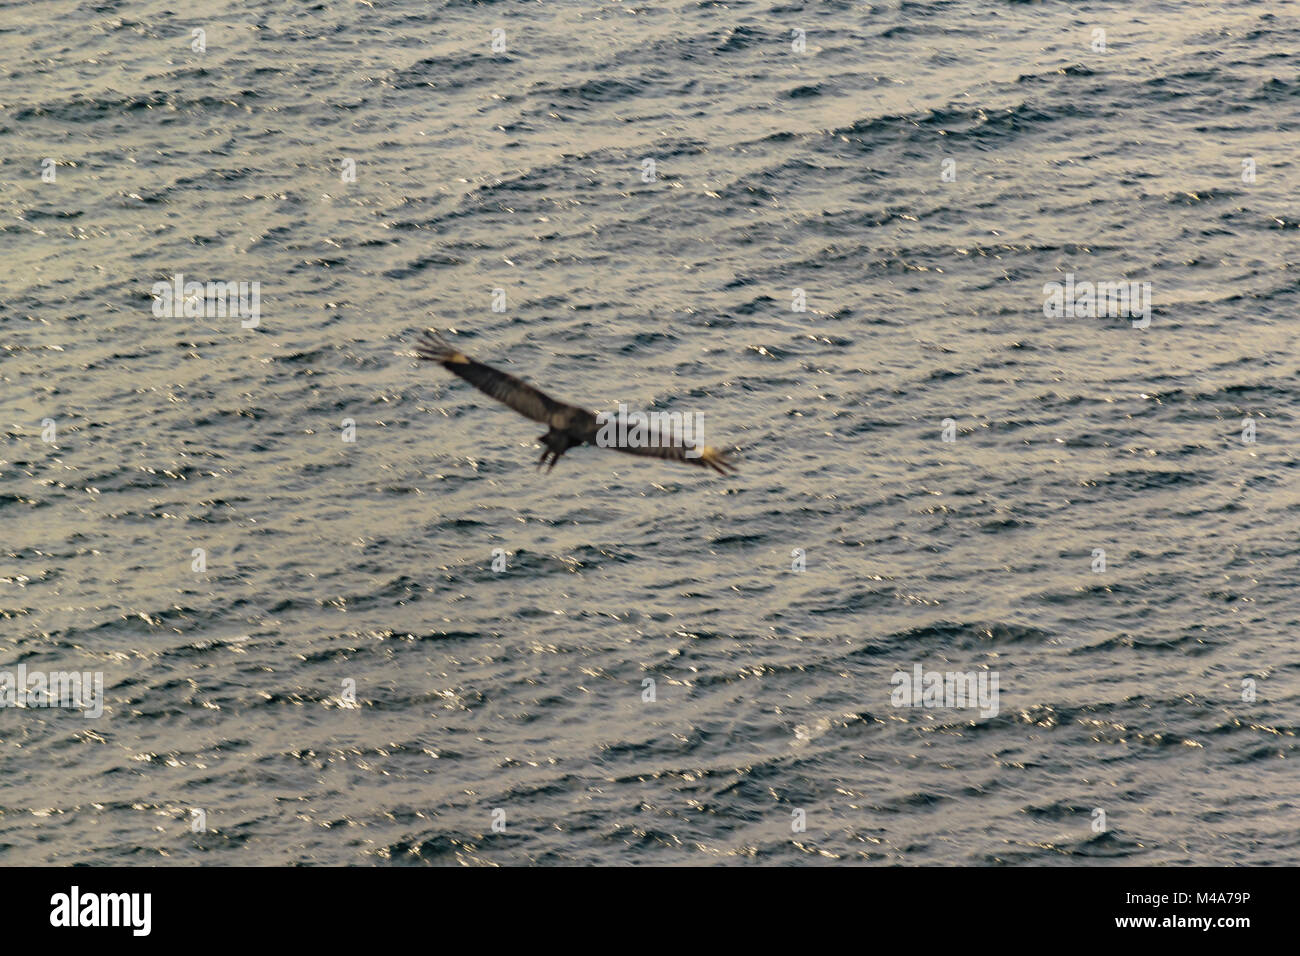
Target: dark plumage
[[568, 425]]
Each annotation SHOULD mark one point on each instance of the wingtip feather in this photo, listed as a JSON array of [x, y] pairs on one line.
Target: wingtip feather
[[717, 459], [432, 347]]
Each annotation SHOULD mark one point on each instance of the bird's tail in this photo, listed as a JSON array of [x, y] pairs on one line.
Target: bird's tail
[[432, 347]]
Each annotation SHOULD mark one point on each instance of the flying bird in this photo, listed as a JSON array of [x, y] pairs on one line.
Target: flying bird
[[567, 425]]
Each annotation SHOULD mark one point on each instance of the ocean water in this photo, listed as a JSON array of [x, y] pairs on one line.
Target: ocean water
[[307, 654]]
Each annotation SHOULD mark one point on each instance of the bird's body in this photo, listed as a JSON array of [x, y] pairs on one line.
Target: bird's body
[[568, 426]]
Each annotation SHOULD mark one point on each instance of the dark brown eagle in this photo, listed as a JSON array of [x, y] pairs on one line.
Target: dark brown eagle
[[569, 426]]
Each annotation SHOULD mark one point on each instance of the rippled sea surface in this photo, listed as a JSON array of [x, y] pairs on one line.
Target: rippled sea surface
[[1163, 691]]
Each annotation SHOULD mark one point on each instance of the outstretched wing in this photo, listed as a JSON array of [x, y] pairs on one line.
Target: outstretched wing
[[504, 387], [664, 443], [709, 457]]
